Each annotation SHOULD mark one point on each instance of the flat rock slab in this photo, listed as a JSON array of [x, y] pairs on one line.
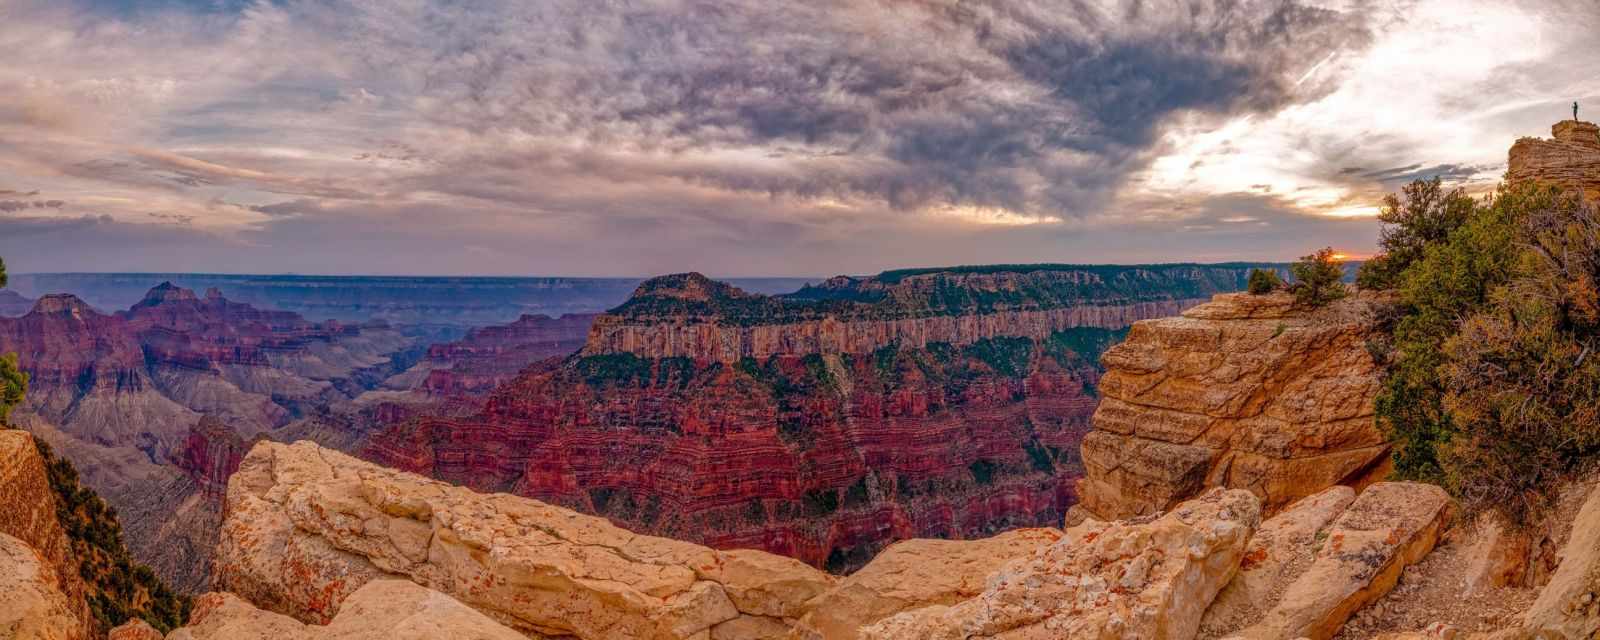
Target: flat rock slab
[[1281, 550], [1387, 528]]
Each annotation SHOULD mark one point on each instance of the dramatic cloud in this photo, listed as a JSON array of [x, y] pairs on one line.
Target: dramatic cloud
[[747, 136]]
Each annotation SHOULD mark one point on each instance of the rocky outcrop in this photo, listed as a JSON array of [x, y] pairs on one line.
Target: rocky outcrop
[[1389, 526], [1570, 160], [1136, 580], [307, 527], [912, 574], [1244, 392], [1281, 551], [28, 516]]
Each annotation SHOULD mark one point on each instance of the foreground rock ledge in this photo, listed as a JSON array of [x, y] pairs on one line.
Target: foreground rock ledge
[[305, 527], [1138, 580]]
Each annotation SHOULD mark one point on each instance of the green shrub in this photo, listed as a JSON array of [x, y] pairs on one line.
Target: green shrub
[[1451, 280], [13, 385], [1264, 281], [1318, 279], [1423, 214], [1521, 380]]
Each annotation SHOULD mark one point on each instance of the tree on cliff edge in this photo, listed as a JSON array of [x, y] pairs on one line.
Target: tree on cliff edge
[[13, 382], [1317, 279]]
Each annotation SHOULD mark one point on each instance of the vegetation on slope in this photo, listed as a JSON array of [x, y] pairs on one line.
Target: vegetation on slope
[[1492, 387], [119, 588]]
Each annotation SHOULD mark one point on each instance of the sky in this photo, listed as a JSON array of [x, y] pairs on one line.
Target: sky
[[750, 137]]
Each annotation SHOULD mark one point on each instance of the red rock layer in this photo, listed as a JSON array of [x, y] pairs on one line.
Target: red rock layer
[[822, 425], [822, 458], [491, 356], [210, 455]]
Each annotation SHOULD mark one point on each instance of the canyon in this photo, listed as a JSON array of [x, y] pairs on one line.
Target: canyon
[[822, 425], [139, 399], [318, 544]]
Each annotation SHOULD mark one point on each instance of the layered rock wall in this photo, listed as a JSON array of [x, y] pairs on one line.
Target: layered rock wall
[[1245, 392], [672, 338], [1571, 159]]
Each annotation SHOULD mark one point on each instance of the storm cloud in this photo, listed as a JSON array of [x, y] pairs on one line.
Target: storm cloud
[[738, 136]]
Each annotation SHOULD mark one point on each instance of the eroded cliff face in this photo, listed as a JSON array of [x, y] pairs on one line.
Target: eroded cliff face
[[1243, 392], [690, 316], [822, 425], [491, 356], [1571, 159]]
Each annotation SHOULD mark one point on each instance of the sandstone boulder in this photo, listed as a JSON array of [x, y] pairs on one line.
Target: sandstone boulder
[[912, 574], [1139, 579], [1281, 550], [32, 606], [1245, 392], [1388, 527], [306, 527]]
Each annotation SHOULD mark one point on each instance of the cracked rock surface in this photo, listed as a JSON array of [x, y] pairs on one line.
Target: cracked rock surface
[[306, 527]]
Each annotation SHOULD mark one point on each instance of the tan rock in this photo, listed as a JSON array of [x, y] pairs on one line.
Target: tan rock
[[1499, 557], [1569, 606], [380, 610], [306, 527], [1281, 550], [32, 606], [402, 610], [1243, 392], [135, 629], [224, 616], [912, 574], [1388, 527], [1139, 579], [1570, 160]]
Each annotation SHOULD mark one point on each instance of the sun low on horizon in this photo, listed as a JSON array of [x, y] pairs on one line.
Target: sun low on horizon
[[750, 138]]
